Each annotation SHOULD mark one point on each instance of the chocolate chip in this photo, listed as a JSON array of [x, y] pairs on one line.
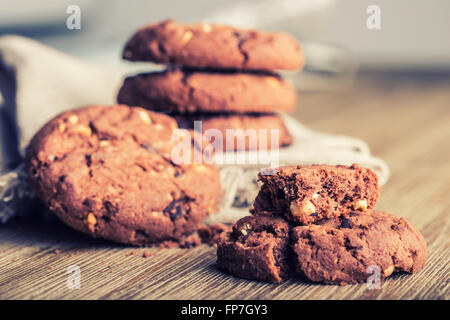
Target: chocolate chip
[[345, 223], [93, 128], [162, 49], [149, 147], [346, 199], [314, 214], [88, 158], [237, 35], [280, 194], [106, 218], [169, 207], [178, 211], [177, 173], [174, 210]]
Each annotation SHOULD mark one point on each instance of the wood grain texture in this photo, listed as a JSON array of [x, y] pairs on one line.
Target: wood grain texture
[[405, 120]]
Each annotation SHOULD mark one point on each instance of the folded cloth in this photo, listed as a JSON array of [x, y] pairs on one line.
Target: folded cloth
[[38, 82]]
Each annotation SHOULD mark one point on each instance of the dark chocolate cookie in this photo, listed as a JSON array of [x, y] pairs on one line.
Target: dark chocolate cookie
[[250, 131], [108, 172], [256, 248], [349, 250], [305, 194], [204, 45], [179, 90]]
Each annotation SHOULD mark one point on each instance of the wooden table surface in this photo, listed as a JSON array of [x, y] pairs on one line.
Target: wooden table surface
[[406, 122]]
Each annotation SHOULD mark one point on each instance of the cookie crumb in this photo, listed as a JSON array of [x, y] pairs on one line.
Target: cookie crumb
[[131, 253], [210, 234]]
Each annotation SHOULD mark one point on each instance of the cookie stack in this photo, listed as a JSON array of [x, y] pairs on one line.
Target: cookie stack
[[219, 75], [318, 222]]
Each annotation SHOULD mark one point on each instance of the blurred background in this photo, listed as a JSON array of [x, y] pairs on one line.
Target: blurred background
[[372, 84], [334, 36]]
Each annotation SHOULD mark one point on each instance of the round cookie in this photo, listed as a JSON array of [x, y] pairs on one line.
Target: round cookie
[[108, 172], [256, 248], [204, 45], [179, 90], [348, 250]]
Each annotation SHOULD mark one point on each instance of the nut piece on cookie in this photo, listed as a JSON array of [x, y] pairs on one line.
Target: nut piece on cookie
[[90, 221], [73, 119], [83, 130], [360, 205], [187, 36], [256, 248], [341, 250], [145, 117], [311, 193], [303, 210]]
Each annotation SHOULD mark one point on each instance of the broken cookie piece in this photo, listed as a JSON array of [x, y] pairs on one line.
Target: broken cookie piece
[[349, 250], [307, 194], [256, 248]]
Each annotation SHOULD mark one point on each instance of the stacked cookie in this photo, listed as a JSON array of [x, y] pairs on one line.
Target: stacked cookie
[[107, 171], [318, 222], [219, 75]]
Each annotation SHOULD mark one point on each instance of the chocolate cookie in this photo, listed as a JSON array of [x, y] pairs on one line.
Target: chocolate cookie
[[179, 90], [256, 248], [239, 131], [109, 172], [204, 45], [305, 194], [349, 250]]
